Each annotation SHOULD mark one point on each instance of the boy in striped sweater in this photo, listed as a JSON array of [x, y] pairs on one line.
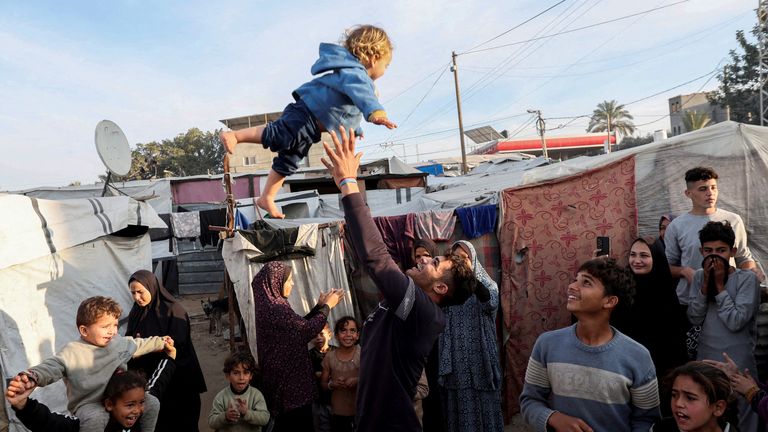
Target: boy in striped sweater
[[590, 376]]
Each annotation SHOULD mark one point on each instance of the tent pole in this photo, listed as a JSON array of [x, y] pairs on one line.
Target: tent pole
[[231, 304]]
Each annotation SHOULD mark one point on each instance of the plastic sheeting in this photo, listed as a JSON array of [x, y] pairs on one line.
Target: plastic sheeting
[[156, 193], [40, 297], [33, 227], [311, 276]]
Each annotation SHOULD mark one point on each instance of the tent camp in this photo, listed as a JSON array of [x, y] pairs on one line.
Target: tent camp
[[549, 215], [54, 255]]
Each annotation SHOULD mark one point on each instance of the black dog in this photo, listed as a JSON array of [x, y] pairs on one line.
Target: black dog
[[214, 309]]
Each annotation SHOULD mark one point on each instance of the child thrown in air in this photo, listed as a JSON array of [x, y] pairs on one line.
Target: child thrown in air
[[342, 97]]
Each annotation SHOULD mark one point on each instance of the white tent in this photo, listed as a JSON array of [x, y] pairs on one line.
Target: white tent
[[54, 254]]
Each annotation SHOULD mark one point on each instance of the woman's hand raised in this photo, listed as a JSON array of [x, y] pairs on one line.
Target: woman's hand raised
[[331, 298]]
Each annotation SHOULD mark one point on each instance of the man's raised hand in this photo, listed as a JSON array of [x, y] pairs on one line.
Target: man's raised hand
[[342, 161]]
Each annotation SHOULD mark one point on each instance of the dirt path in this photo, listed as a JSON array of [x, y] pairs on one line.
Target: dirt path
[[211, 352]]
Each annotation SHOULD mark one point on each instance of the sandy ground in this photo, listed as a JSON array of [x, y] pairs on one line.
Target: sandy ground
[[211, 352]]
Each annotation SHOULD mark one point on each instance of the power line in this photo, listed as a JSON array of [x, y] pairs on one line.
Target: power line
[[699, 35], [444, 131], [423, 97], [710, 74], [415, 84], [470, 92], [549, 80], [519, 25], [576, 29]]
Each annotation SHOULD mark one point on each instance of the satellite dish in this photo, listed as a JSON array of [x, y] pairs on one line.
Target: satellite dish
[[112, 147]]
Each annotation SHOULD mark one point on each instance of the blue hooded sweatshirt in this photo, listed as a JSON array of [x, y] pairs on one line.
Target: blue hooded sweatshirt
[[343, 96]]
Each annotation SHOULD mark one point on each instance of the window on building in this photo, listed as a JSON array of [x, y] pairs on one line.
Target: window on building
[[249, 160]]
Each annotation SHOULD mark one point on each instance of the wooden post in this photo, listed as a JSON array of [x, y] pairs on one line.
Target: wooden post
[[230, 232], [231, 303]]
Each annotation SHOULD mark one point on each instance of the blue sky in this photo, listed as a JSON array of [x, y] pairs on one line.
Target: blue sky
[[160, 68]]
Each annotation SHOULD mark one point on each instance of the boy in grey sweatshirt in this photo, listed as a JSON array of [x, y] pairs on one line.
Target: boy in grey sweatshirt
[[87, 364]]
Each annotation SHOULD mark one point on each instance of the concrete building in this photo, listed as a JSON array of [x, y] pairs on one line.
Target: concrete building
[[249, 158], [697, 102]]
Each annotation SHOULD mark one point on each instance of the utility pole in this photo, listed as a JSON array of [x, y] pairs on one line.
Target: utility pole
[[541, 127], [455, 71], [762, 46], [608, 147]]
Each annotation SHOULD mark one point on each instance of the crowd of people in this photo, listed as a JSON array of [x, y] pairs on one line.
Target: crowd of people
[[427, 357], [615, 369]]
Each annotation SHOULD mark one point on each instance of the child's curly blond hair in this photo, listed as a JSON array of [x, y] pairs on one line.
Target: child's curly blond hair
[[367, 42]]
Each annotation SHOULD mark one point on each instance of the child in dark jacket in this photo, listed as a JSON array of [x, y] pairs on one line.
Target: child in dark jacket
[[340, 98], [123, 399]]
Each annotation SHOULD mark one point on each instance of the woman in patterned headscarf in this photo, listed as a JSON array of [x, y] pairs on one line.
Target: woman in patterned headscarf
[[288, 381], [156, 312], [469, 358]]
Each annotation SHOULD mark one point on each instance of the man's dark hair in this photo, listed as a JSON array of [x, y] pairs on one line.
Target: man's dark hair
[[700, 173], [460, 280], [240, 358], [718, 231], [616, 280]]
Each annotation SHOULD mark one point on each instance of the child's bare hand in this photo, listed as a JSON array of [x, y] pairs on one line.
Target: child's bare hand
[[168, 340], [383, 121], [170, 350], [743, 382], [232, 414], [242, 408], [17, 393], [26, 381]]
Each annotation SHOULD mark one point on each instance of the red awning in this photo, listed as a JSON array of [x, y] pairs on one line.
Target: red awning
[[554, 143]]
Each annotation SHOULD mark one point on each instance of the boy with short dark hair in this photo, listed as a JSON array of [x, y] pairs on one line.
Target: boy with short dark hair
[[681, 238], [725, 301], [239, 407], [86, 365], [590, 376]]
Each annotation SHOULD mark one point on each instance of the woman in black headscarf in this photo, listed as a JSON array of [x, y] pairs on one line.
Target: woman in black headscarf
[[156, 312], [654, 319]]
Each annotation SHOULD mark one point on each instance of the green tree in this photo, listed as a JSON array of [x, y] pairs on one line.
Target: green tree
[[191, 153], [611, 111], [739, 87], [630, 142], [694, 120]]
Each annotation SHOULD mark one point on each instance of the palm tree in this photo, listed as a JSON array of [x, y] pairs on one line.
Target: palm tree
[[694, 120], [610, 115]]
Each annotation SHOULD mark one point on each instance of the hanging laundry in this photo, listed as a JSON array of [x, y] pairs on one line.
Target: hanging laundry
[[281, 243], [241, 221], [185, 225], [215, 217], [156, 234], [398, 234], [478, 220], [435, 225]]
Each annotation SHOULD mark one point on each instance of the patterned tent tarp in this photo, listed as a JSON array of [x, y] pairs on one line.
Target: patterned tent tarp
[[545, 233]]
